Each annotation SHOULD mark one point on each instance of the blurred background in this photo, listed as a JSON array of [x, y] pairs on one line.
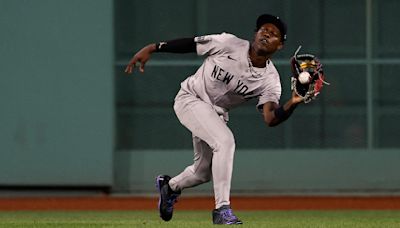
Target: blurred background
[[71, 120]]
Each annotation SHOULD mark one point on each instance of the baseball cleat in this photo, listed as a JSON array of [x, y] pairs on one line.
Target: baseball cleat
[[224, 215], [167, 197]]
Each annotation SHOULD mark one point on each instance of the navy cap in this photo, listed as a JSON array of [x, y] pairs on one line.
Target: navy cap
[[267, 18]]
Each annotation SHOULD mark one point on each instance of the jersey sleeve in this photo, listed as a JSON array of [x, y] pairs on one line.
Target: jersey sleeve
[[212, 44], [269, 95], [272, 89]]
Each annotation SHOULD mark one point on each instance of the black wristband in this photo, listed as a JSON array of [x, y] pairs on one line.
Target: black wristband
[[281, 114], [159, 45]]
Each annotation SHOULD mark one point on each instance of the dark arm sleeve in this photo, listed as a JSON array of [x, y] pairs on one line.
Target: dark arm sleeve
[[183, 45]]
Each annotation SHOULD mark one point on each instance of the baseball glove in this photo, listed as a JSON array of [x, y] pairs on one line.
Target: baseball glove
[[308, 76]]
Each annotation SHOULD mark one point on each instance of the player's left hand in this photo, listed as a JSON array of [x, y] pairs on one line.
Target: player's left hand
[[296, 98], [306, 89]]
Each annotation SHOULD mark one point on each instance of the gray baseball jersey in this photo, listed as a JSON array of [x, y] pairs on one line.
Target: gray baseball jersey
[[226, 78]]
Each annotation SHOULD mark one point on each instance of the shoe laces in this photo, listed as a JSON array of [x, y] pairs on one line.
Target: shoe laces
[[228, 215], [172, 199]]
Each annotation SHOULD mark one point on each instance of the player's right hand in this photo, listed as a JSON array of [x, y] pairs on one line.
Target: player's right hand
[[132, 63], [141, 56]]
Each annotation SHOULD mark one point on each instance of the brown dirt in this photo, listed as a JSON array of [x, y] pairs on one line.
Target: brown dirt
[[201, 203]]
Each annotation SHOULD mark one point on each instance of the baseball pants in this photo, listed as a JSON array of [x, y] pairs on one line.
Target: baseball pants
[[213, 144]]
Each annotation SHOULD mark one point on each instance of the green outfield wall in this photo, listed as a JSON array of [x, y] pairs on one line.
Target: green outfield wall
[[57, 116]]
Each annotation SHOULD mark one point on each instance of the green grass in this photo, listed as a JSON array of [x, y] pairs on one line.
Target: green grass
[[192, 219]]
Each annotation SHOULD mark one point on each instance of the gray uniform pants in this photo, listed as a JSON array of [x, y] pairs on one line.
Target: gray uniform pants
[[214, 147]]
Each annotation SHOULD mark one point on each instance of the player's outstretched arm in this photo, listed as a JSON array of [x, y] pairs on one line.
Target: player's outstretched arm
[[141, 56], [182, 45], [275, 114]]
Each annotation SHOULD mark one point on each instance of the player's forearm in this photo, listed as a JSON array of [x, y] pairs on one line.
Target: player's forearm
[[279, 114]]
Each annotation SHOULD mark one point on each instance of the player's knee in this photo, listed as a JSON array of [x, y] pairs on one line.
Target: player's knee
[[226, 144]]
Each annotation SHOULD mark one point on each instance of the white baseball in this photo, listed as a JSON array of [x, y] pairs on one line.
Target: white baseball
[[304, 77]]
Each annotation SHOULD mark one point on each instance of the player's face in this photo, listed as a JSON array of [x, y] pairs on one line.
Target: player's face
[[267, 39]]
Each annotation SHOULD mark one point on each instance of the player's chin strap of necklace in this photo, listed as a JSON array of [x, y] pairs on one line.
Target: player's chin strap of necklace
[[253, 71]]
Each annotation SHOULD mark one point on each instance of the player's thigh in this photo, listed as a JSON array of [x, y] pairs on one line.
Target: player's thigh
[[204, 122]]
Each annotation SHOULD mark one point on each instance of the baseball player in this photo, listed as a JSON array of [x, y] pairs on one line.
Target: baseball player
[[233, 72]]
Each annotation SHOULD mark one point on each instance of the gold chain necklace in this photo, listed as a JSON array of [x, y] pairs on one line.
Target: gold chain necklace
[[253, 71]]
